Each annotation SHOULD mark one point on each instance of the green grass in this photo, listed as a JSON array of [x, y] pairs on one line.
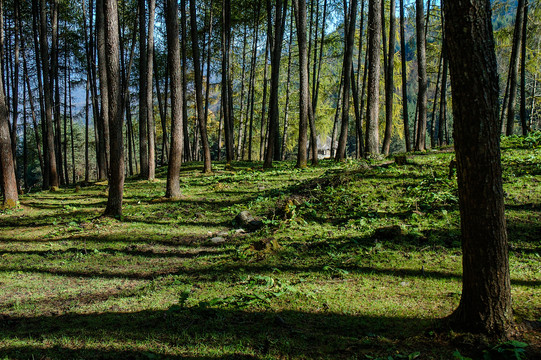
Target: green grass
[[365, 259]]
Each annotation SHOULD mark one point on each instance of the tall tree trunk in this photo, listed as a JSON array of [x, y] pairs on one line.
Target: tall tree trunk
[[116, 179], [389, 81], [405, 114], [435, 104], [7, 178], [264, 103], [252, 81], [71, 129], [422, 99], [209, 58], [54, 181], [184, 93], [103, 116], [347, 66], [227, 96], [242, 120], [55, 80], [207, 167], [149, 93], [15, 110], [288, 92], [485, 305], [443, 98], [513, 68], [372, 106], [523, 113], [304, 98], [273, 148], [143, 91], [173, 59]]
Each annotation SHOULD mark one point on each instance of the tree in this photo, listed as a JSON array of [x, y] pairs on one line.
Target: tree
[[276, 37], [405, 114], [372, 103], [202, 121], [300, 15], [173, 47], [116, 179], [422, 98], [7, 174], [389, 81], [348, 79], [485, 305]]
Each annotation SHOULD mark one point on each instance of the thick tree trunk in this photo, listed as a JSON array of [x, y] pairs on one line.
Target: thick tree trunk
[[103, 117], [372, 106], [116, 179], [485, 305], [207, 167], [173, 48], [8, 179]]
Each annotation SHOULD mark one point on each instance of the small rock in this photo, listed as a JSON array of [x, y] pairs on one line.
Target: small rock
[[217, 240], [246, 220], [240, 231], [404, 283], [223, 233]]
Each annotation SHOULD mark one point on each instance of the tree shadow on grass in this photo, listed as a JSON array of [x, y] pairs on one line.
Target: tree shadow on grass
[[199, 332]]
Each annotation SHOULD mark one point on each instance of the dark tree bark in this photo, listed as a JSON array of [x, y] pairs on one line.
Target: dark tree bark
[[103, 115], [485, 305], [304, 98], [143, 89], [405, 114], [207, 167], [422, 99], [276, 35], [443, 98], [54, 180], [55, 80], [227, 97], [173, 59], [513, 68], [523, 113], [347, 66], [288, 92], [116, 179], [372, 106], [149, 93], [389, 81], [264, 103]]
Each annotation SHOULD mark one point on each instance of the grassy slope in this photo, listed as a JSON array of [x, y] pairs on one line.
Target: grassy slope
[[361, 259]]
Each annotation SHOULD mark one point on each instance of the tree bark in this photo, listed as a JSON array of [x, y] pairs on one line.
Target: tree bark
[[300, 15], [143, 89], [405, 114], [422, 99], [116, 179], [149, 93], [207, 167], [372, 106], [523, 113], [485, 305], [173, 59], [389, 81]]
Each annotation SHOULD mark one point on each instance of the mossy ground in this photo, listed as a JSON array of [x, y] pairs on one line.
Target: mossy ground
[[365, 259]]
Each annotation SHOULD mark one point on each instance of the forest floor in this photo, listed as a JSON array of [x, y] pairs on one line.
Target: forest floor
[[358, 260]]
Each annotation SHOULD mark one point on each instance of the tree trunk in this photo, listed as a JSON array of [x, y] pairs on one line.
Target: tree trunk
[[523, 113], [149, 93], [173, 59], [372, 106], [53, 180], [422, 100], [264, 103], [116, 179], [389, 81], [186, 135], [304, 98], [347, 66], [143, 89], [207, 167], [513, 68], [8, 179], [288, 92], [485, 305], [405, 114], [227, 96], [273, 148]]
